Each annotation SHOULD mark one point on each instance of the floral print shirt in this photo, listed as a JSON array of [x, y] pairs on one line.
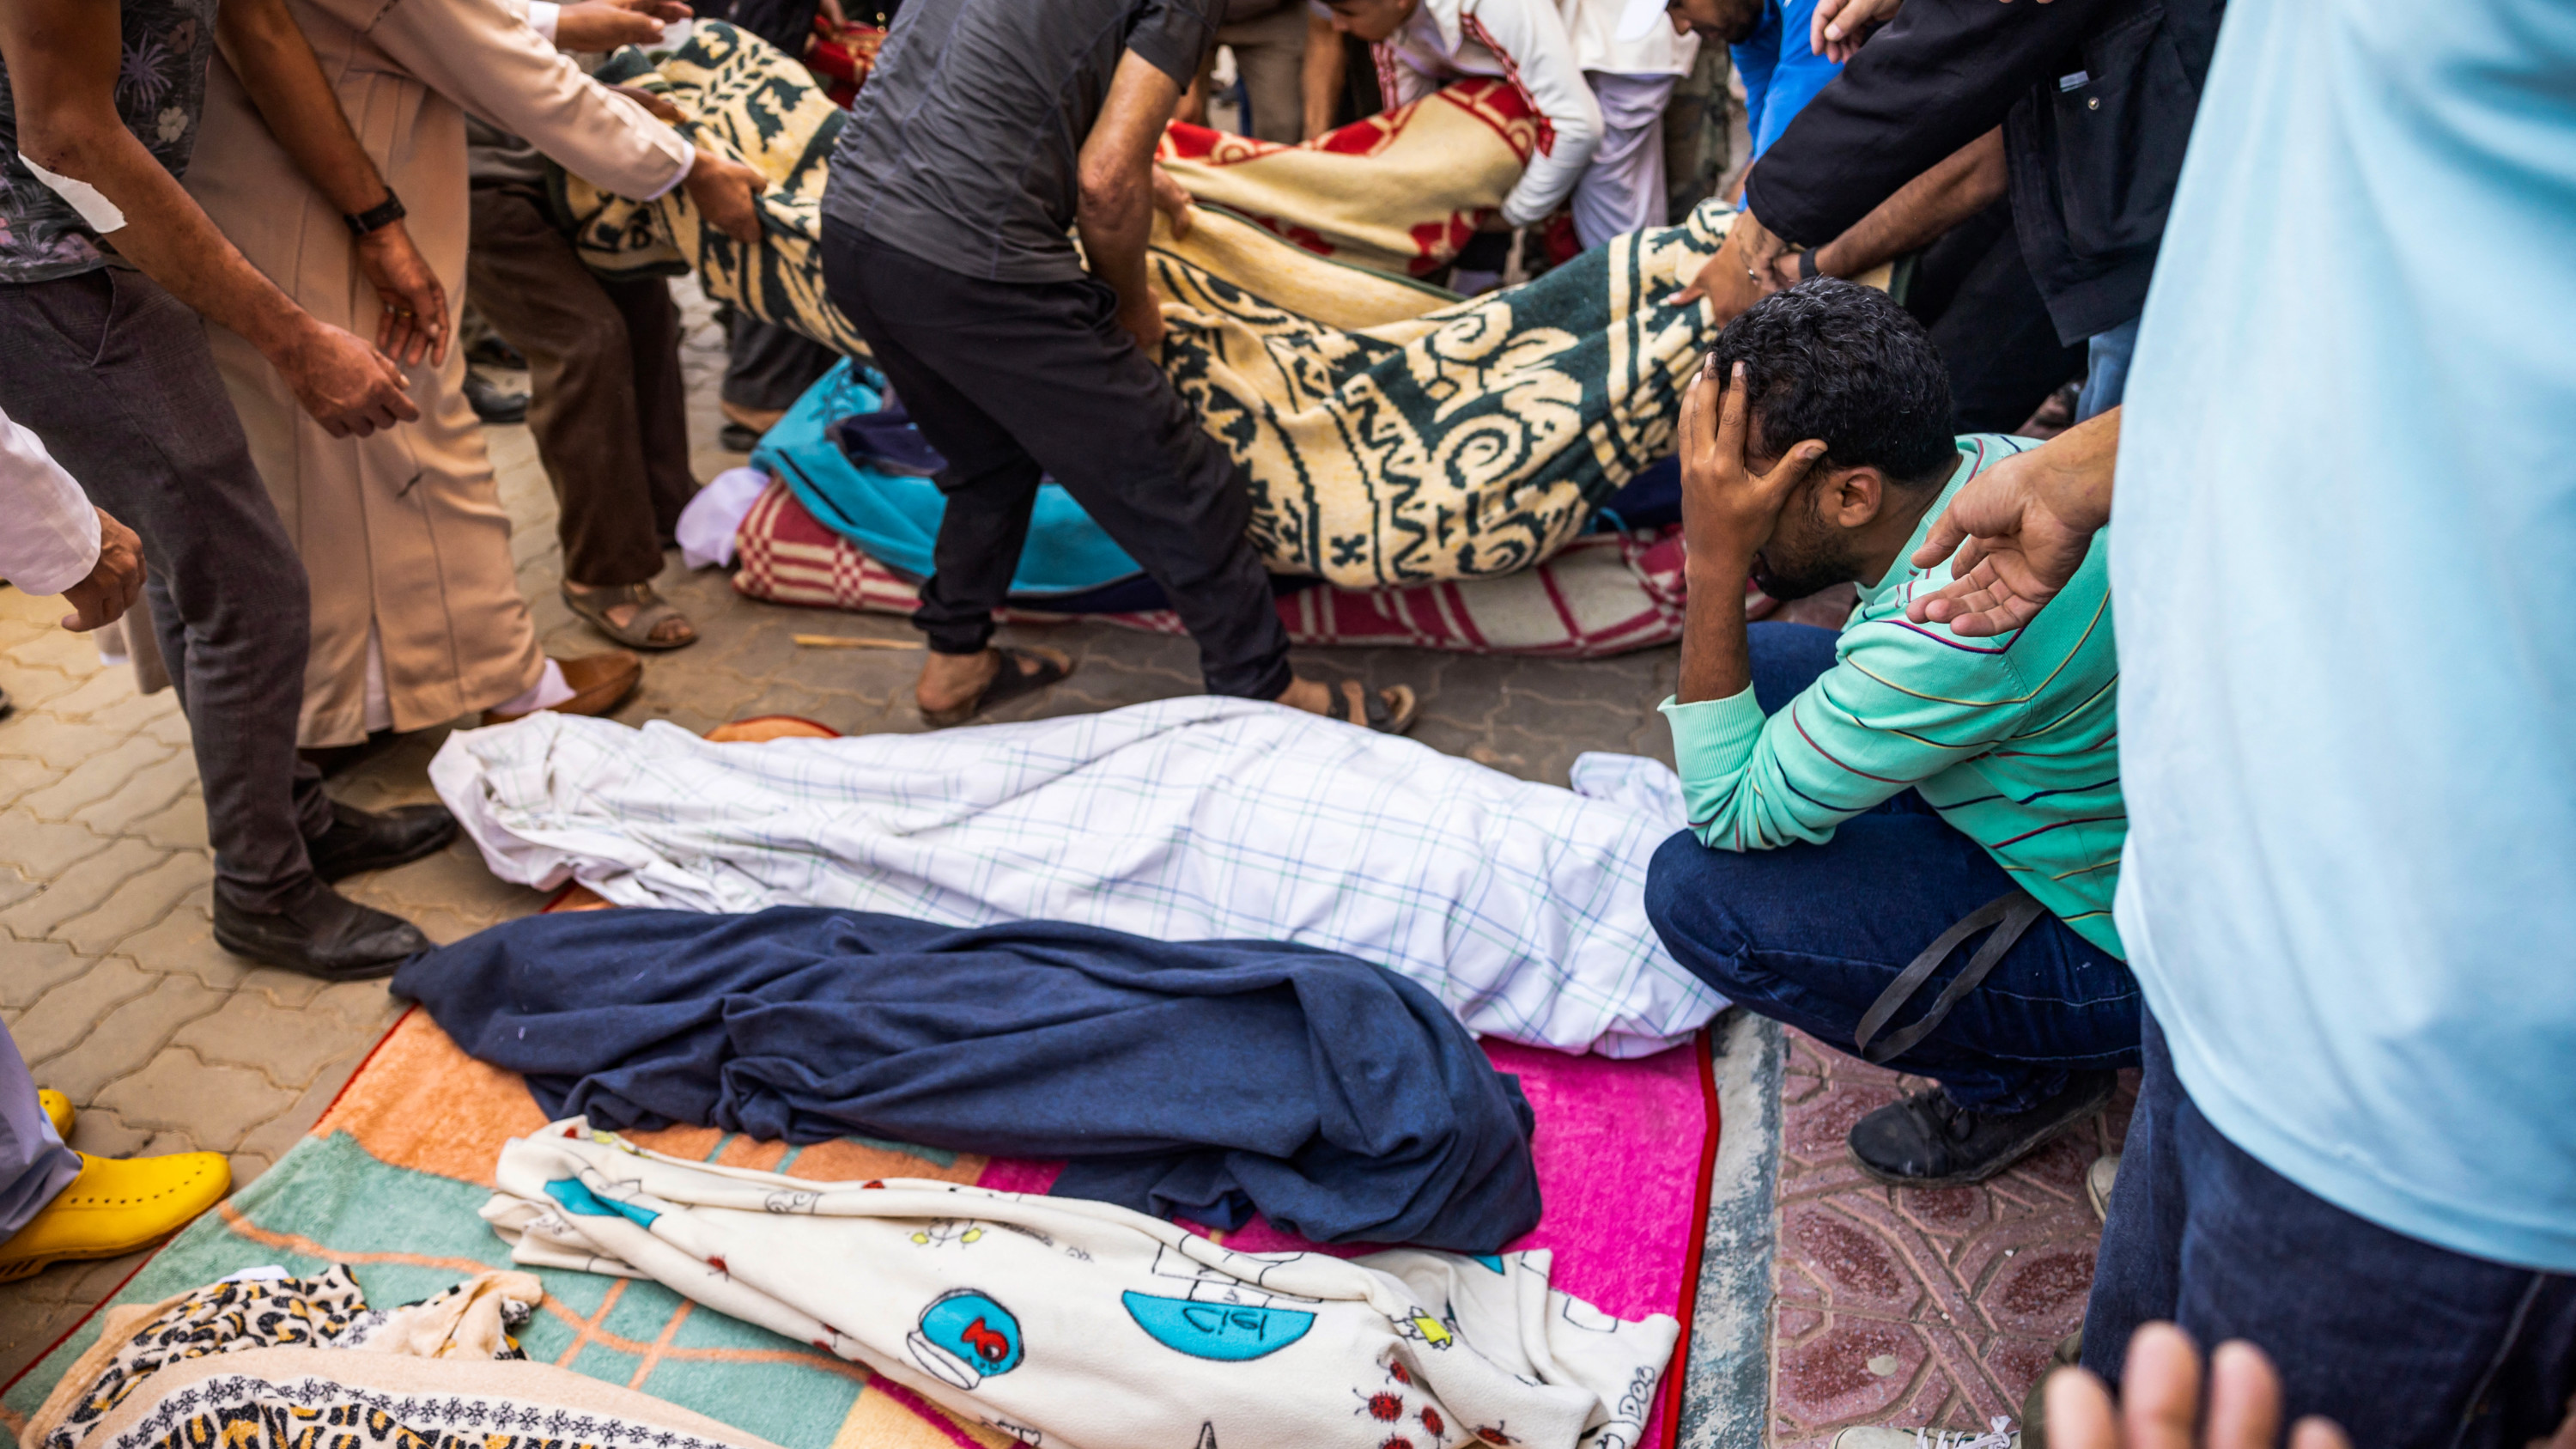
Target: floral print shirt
[[160, 92]]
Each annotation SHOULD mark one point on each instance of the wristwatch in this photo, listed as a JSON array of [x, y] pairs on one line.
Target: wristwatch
[[1807, 264], [377, 217]]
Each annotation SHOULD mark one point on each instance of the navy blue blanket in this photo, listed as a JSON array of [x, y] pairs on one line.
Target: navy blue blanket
[[1203, 1080]]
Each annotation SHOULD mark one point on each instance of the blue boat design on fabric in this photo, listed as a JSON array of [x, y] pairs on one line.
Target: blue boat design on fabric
[[582, 1201], [1225, 1332]]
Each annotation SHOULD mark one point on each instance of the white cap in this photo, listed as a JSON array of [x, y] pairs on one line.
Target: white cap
[[1638, 17]]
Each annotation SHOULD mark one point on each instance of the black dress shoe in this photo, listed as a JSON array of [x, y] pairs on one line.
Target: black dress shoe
[[491, 402], [321, 933], [359, 840], [1927, 1140]]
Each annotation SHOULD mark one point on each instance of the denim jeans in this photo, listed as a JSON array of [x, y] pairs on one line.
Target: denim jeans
[[2106, 374], [1811, 935], [2407, 1345]]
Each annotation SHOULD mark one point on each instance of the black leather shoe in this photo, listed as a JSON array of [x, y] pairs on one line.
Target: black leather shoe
[[491, 402], [321, 933], [359, 840], [1927, 1140]]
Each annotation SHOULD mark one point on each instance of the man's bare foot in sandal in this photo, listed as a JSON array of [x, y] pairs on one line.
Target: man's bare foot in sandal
[[632, 614], [955, 688], [1389, 712]]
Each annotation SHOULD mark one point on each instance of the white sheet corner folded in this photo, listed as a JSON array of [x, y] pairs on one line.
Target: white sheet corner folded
[[1521, 905]]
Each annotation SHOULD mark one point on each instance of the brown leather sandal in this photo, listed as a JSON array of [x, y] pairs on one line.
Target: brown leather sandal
[[593, 602], [1023, 671], [1389, 711]]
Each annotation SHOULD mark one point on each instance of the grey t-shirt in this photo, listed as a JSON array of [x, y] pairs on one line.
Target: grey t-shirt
[[964, 145], [160, 95]]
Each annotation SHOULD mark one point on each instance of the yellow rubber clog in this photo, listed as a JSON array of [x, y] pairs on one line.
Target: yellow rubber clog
[[115, 1206], [58, 1110]]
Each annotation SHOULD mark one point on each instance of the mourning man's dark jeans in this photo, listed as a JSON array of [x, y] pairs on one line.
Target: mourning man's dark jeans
[[1812, 934]]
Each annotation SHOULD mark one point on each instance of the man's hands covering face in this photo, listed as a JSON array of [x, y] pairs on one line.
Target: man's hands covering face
[[1729, 510]]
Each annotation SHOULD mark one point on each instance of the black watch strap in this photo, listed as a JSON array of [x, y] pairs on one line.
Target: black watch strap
[[377, 217], [1807, 264]]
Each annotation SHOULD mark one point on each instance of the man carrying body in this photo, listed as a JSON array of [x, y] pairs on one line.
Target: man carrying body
[[986, 129], [106, 267], [1901, 842], [1422, 45]]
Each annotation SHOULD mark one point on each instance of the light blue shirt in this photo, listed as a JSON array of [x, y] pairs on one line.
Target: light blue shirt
[[1781, 73], [2346, 517]]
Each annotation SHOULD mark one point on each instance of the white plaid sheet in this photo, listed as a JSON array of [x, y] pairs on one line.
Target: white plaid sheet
[[1521, 905]]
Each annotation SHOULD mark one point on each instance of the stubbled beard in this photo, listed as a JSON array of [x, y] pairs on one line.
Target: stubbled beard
[[1811, 577]]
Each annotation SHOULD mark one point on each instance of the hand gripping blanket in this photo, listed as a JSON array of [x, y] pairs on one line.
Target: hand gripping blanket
[[1391, 438], [1521, 906], [1207, 1079], [1077, 1325]]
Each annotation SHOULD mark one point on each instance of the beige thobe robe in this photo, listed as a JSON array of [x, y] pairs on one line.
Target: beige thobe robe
[[403, 531]]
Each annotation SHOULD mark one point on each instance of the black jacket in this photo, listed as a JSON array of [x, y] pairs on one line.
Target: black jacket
[[2096, 99]]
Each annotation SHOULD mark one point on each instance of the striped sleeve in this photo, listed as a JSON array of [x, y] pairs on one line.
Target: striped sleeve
[[1901, 704]]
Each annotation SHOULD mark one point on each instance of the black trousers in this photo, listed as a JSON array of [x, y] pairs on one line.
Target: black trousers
[[114, 374], [607, 403], [1974, 292], [1012, 380]]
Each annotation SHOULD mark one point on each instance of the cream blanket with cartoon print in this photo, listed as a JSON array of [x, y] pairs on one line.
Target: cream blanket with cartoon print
[[1069, 1324]]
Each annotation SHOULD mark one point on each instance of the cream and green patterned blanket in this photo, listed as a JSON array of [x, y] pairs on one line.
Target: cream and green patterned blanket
[[1393, 434]]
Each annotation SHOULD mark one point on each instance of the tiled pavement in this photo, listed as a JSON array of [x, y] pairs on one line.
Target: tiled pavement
[[115, 992]]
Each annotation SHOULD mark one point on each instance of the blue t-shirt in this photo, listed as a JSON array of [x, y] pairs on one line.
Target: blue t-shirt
[[2346, 515], [1781, 74]]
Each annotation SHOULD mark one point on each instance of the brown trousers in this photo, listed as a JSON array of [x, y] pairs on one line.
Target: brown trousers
[[606, 401]]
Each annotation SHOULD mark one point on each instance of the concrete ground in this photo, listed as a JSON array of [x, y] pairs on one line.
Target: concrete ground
[[113, 988]]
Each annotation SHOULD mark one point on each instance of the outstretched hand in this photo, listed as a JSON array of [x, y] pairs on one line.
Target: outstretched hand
[[2160, 1401], [2020, 530]]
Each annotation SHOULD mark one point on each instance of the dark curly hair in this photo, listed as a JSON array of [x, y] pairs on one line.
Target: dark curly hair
[[1836, 361]]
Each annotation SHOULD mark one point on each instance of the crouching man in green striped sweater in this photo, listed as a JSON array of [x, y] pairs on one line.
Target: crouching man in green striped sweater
[[1901, 841]]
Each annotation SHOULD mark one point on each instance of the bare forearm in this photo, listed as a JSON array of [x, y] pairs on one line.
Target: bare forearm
[[1932, 203], [167, 235], [276, 65], [2080, 464], [1322, 76], [1116, 221], [1717, 660]]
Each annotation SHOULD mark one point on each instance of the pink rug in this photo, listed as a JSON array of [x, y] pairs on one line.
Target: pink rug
[[1624, 1151]]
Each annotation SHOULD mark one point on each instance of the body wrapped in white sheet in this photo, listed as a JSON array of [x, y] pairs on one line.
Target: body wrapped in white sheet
[[1521, 905]]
